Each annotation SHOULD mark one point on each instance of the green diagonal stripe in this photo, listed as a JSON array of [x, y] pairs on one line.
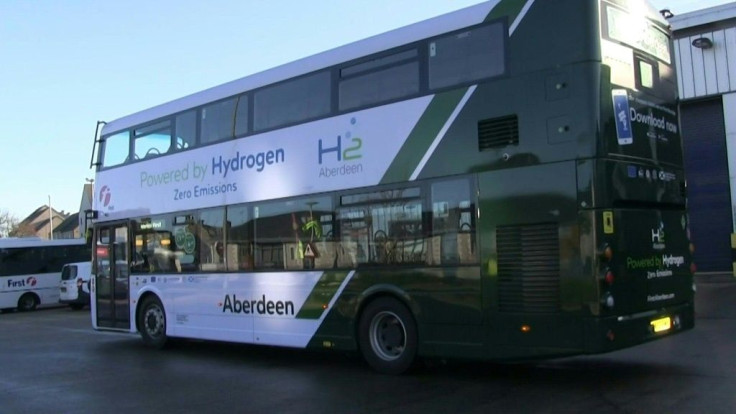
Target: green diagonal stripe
[[437, 113], [510, 8], [422, 136], [321, 295]]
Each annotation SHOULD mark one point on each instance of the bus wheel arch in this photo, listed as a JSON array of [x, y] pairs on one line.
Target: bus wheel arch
[[28, 302], [150, 319], [387, 334]]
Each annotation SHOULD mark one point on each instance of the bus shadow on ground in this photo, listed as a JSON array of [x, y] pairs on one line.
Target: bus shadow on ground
[[580, 371]]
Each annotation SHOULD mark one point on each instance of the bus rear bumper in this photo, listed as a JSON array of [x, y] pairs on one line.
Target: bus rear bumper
[[623, 331]]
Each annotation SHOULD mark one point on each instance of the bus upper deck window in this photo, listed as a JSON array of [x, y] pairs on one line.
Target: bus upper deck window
[[647, 74], [185, 130], [152, 140], [468, 56], [217, 121], [116, 149]]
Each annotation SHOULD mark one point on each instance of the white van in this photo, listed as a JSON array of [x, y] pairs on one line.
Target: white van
[[74, 289]]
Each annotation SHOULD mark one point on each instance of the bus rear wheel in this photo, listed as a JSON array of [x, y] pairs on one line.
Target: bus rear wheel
[[152, 322], [388, 336], [27, 302]]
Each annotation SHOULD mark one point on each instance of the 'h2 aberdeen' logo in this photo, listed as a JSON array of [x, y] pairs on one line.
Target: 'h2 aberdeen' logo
[[104, 196], [350, 153]]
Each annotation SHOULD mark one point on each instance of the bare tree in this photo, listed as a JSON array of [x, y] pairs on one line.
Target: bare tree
[[22, 230], [8, 223]]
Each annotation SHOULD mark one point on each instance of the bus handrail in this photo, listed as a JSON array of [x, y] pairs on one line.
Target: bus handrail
[[97, 140]]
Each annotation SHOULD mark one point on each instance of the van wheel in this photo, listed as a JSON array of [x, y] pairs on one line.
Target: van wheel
[[152, 322], [27, 302], [388, 336]]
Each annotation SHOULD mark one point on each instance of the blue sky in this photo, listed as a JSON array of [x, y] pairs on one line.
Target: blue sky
[[64, 65]]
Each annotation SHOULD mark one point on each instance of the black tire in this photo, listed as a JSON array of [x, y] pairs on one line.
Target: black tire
[[27, 302], [76, 306], [387, 335], [152, 322]]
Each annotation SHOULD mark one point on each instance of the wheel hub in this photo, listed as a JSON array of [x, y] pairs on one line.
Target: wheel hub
[[388, 336]]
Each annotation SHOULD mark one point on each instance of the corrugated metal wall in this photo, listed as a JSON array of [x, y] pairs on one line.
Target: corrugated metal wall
[[706, 72]]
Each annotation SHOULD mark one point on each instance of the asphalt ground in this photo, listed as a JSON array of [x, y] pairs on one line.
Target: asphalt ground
[[51, 361]]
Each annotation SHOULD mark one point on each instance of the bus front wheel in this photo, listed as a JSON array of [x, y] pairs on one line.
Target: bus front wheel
[[388, 336], [152, 322], [27, 302]]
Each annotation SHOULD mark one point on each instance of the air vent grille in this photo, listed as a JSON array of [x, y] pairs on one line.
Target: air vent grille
[[498, 132], [529, 268]]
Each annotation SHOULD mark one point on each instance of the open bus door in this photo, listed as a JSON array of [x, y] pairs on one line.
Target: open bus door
[[112, 270]]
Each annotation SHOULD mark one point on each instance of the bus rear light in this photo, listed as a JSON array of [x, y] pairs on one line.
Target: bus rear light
[[606, 252], [609, 278], [676, 321], [610, 335], [693, 268], [692, 248], [608, 300]]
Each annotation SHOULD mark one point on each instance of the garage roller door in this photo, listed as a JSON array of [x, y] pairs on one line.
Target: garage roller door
[[709, 198]]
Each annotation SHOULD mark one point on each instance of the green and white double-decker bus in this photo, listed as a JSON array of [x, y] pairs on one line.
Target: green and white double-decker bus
[[501, 182]]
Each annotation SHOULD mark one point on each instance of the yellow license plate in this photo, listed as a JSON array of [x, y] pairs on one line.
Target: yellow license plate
[[661, 325]]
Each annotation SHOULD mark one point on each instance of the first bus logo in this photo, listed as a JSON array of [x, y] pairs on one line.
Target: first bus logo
[[31, 281], [105, 196]]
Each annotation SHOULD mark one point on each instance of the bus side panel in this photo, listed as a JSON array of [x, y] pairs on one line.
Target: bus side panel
[[446, 303], [534, 289], [297, 309], [44, 285], [533, 123]]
